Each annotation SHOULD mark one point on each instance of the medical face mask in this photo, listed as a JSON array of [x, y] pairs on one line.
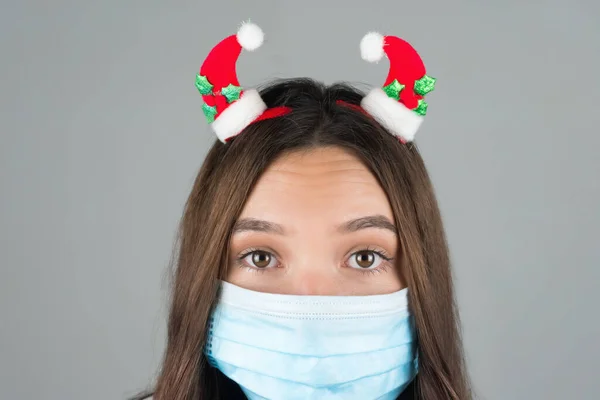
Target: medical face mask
[[313, 347]]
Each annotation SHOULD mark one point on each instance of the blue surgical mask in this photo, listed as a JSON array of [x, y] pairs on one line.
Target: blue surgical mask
[[313, 347]]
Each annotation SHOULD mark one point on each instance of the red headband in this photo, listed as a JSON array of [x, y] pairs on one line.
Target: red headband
[[399, 106]]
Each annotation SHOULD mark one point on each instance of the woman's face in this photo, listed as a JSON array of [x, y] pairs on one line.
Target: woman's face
[[317, 223]]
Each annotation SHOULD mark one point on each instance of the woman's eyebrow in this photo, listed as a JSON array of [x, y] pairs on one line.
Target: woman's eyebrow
[[370, 221], [257, 225]]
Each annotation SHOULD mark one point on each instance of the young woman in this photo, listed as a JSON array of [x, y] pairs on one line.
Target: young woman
[[312, 261]]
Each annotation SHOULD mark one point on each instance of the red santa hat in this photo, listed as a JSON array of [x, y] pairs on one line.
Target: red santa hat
[[399, 106], [227, 106]]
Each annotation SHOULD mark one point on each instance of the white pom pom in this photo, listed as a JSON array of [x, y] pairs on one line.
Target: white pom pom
[[250, 36], [371, 47]]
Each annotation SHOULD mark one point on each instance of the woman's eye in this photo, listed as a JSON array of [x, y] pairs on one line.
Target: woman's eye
[[260, 259], [365, 259]]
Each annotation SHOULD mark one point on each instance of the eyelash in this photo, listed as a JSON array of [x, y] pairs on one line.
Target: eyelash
[[385, 265]]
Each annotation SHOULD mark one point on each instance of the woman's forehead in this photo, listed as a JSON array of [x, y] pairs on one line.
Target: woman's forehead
[[327, 184]]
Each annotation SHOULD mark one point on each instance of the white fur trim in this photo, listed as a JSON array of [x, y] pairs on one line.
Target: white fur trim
[[250, 36], [238, 115], [371, 47], [393, 115]]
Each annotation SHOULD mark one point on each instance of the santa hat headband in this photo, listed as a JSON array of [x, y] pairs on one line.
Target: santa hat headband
[[227, 106], [399, 106]]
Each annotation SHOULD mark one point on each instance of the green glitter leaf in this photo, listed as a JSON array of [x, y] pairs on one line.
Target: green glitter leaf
[[393, 89], [203, 85], [209, 112], [421, 108], [424, 85], [231, 92]]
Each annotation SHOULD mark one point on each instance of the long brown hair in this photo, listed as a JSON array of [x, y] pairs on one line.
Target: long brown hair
[[224, 183]]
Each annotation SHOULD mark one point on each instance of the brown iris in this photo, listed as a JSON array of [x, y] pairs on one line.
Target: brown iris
[[365, 259], [261, 259]]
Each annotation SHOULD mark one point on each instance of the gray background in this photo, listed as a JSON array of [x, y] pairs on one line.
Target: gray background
[[102, 135]]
